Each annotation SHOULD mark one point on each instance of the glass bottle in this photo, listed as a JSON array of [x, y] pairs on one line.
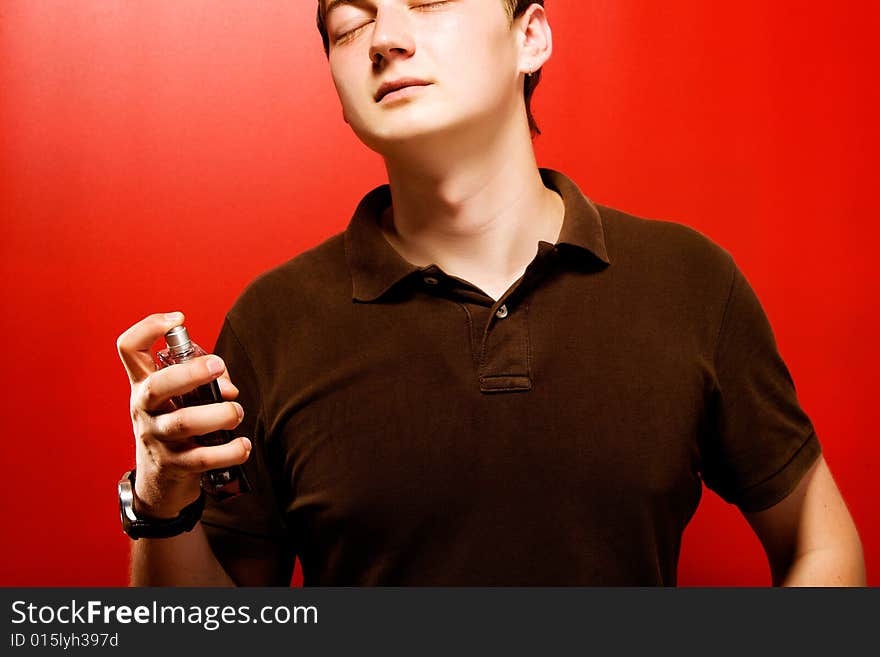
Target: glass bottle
[[226, 482]]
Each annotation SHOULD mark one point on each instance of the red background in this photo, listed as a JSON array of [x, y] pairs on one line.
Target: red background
[[156, 156]]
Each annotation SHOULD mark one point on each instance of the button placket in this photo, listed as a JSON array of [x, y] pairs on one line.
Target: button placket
[[504, 352]]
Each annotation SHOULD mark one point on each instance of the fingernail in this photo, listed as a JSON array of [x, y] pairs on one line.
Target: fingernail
[[173, 317], [215, 364], [238, 409], [247, 444]]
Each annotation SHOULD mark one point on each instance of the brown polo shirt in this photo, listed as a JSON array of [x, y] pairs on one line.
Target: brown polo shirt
[[409, 430]]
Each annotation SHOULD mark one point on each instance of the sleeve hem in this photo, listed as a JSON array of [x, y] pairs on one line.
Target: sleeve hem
[[238, 532], [765, 494], [236, 543]]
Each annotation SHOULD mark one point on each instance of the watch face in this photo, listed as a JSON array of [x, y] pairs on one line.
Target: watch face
[[126, 499]]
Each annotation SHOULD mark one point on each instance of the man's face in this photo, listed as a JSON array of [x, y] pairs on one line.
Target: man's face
[[465, 49]]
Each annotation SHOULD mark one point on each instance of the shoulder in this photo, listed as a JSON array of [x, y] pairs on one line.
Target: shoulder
[[312, 278], [664, 248], [635, 236]]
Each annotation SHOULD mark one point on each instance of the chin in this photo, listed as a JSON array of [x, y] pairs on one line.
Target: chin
[[416, 128], [392, 137]]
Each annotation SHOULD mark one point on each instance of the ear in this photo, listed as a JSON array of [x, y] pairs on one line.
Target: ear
[[534, 38]]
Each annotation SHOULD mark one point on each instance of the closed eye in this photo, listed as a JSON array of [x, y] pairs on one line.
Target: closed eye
[[345, 36], [350, 34]]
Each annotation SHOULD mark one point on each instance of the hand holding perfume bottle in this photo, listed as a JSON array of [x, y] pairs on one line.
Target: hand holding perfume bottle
[[183, 412], [220, 483]]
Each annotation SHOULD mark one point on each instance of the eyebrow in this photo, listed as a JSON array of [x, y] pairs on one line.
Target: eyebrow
[[333, 4]]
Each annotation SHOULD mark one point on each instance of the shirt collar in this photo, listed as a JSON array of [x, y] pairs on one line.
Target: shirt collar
[[376, 266]]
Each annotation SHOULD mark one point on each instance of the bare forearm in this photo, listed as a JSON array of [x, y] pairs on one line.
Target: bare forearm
[[809, 536], [184, 560], [842, 566]]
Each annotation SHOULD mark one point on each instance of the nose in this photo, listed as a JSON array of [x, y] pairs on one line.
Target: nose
[[392, 35]]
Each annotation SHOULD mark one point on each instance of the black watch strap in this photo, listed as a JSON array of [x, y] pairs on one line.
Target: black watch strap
[[154, 527]]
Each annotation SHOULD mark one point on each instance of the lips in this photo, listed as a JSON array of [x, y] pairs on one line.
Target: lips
[[394, 85]]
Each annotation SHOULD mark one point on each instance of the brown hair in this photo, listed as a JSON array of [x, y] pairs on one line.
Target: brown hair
[[514, 9]]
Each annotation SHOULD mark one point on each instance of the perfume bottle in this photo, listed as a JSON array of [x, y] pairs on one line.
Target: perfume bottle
[[227, 482]]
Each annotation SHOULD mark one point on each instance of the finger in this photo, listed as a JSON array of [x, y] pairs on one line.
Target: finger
[[228, 389], [178, 379], [200, 459], [184, 423], [135, 343]]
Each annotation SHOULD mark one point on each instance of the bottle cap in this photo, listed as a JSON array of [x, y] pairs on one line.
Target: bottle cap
[[177, 339]]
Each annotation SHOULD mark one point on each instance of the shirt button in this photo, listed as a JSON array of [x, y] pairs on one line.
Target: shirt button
[[501, 313], [430, 280]]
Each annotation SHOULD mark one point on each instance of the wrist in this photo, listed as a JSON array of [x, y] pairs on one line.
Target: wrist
[[152, 501], [141, 526]]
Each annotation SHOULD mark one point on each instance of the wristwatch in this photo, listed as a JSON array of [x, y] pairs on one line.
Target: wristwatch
[[154, 527]]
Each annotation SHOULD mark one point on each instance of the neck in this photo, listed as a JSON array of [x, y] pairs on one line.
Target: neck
[[479, 218]]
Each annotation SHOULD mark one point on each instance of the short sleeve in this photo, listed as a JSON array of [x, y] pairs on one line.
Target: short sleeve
[[249, 525], [760, 442]]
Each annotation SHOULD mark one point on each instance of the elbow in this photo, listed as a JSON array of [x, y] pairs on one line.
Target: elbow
[[839, 565]]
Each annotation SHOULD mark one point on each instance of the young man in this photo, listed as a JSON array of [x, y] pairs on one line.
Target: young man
[[487, 379]]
